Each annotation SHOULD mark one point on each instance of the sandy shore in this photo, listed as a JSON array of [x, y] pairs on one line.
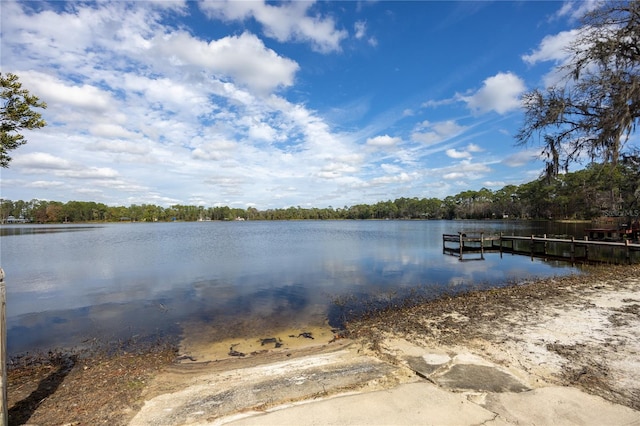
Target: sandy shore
[[580, 331], [559, 350]]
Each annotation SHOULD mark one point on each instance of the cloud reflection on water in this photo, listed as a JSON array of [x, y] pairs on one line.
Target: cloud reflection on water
[[123, 280]]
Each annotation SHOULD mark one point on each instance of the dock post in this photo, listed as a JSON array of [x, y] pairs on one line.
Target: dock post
[[545, 244], [531, 246], [501, 245], [627, 251], [586, 249], [573, 249], [4, 414], [461, 244], [482, 245]]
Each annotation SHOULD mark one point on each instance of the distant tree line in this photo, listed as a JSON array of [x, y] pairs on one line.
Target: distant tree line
[[594, 191]]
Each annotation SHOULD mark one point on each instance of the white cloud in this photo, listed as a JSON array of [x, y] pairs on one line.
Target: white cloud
[[360, 28], [469, 167], [110, 130], [262, 131], [360, 32], [384, 141], [391, 168], [472, 147], [76, 37], [521, 158], [426, 138], [173, 94], [457, 154], [494, 184], [576, 9], [215, 150], [120, 147], [432, 103], [398, 178], [61, 94], [229, 183], [291, 21], [90, 173], [447, 128], [45, 184], [337, 170], [464, 169], [453, 175], [40, 160], [552, 48], [436, 132], [500, 93], [243, 58], [467, 153]]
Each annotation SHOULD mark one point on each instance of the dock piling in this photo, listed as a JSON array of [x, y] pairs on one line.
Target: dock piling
[[4, 413]]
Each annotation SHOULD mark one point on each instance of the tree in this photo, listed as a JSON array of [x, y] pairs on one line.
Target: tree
[[596, 107], [630, 182], [17, 114]]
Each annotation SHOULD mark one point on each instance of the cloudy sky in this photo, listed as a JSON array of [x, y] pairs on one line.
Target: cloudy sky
[[267, 104]]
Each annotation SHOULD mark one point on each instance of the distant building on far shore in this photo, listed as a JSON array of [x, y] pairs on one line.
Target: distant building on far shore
[[13, 219]]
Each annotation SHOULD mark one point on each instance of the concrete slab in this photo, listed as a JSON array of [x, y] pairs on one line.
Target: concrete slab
[[464, 372], [409, 404], [480, 378], [223, 393]]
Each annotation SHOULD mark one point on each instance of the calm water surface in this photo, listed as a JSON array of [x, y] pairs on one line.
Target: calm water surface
[[69, 284]]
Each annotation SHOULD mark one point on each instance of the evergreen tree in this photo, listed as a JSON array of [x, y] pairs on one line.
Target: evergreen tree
[[16, 114]]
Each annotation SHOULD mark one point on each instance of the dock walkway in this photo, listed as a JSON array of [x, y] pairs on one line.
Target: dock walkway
[[567, 249]]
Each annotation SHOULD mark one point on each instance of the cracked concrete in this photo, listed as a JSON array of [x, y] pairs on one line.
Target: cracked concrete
[[340, 387], [205, 394]]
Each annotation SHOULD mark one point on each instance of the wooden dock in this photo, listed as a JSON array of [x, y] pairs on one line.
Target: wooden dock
[[470, 246], [463, 243]]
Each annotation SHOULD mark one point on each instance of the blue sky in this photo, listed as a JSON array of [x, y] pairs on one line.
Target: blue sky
[[277, 104]]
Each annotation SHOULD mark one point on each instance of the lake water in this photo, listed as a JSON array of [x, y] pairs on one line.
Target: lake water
[[71, 284]]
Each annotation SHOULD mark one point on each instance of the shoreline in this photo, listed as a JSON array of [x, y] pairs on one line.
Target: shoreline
[[579, 332]]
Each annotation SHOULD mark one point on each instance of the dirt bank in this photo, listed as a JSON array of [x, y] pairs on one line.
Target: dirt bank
[[581, 331]]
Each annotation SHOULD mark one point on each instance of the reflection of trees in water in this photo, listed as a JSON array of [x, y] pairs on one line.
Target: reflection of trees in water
[[351, 307], [100, 328], [226, 310]]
